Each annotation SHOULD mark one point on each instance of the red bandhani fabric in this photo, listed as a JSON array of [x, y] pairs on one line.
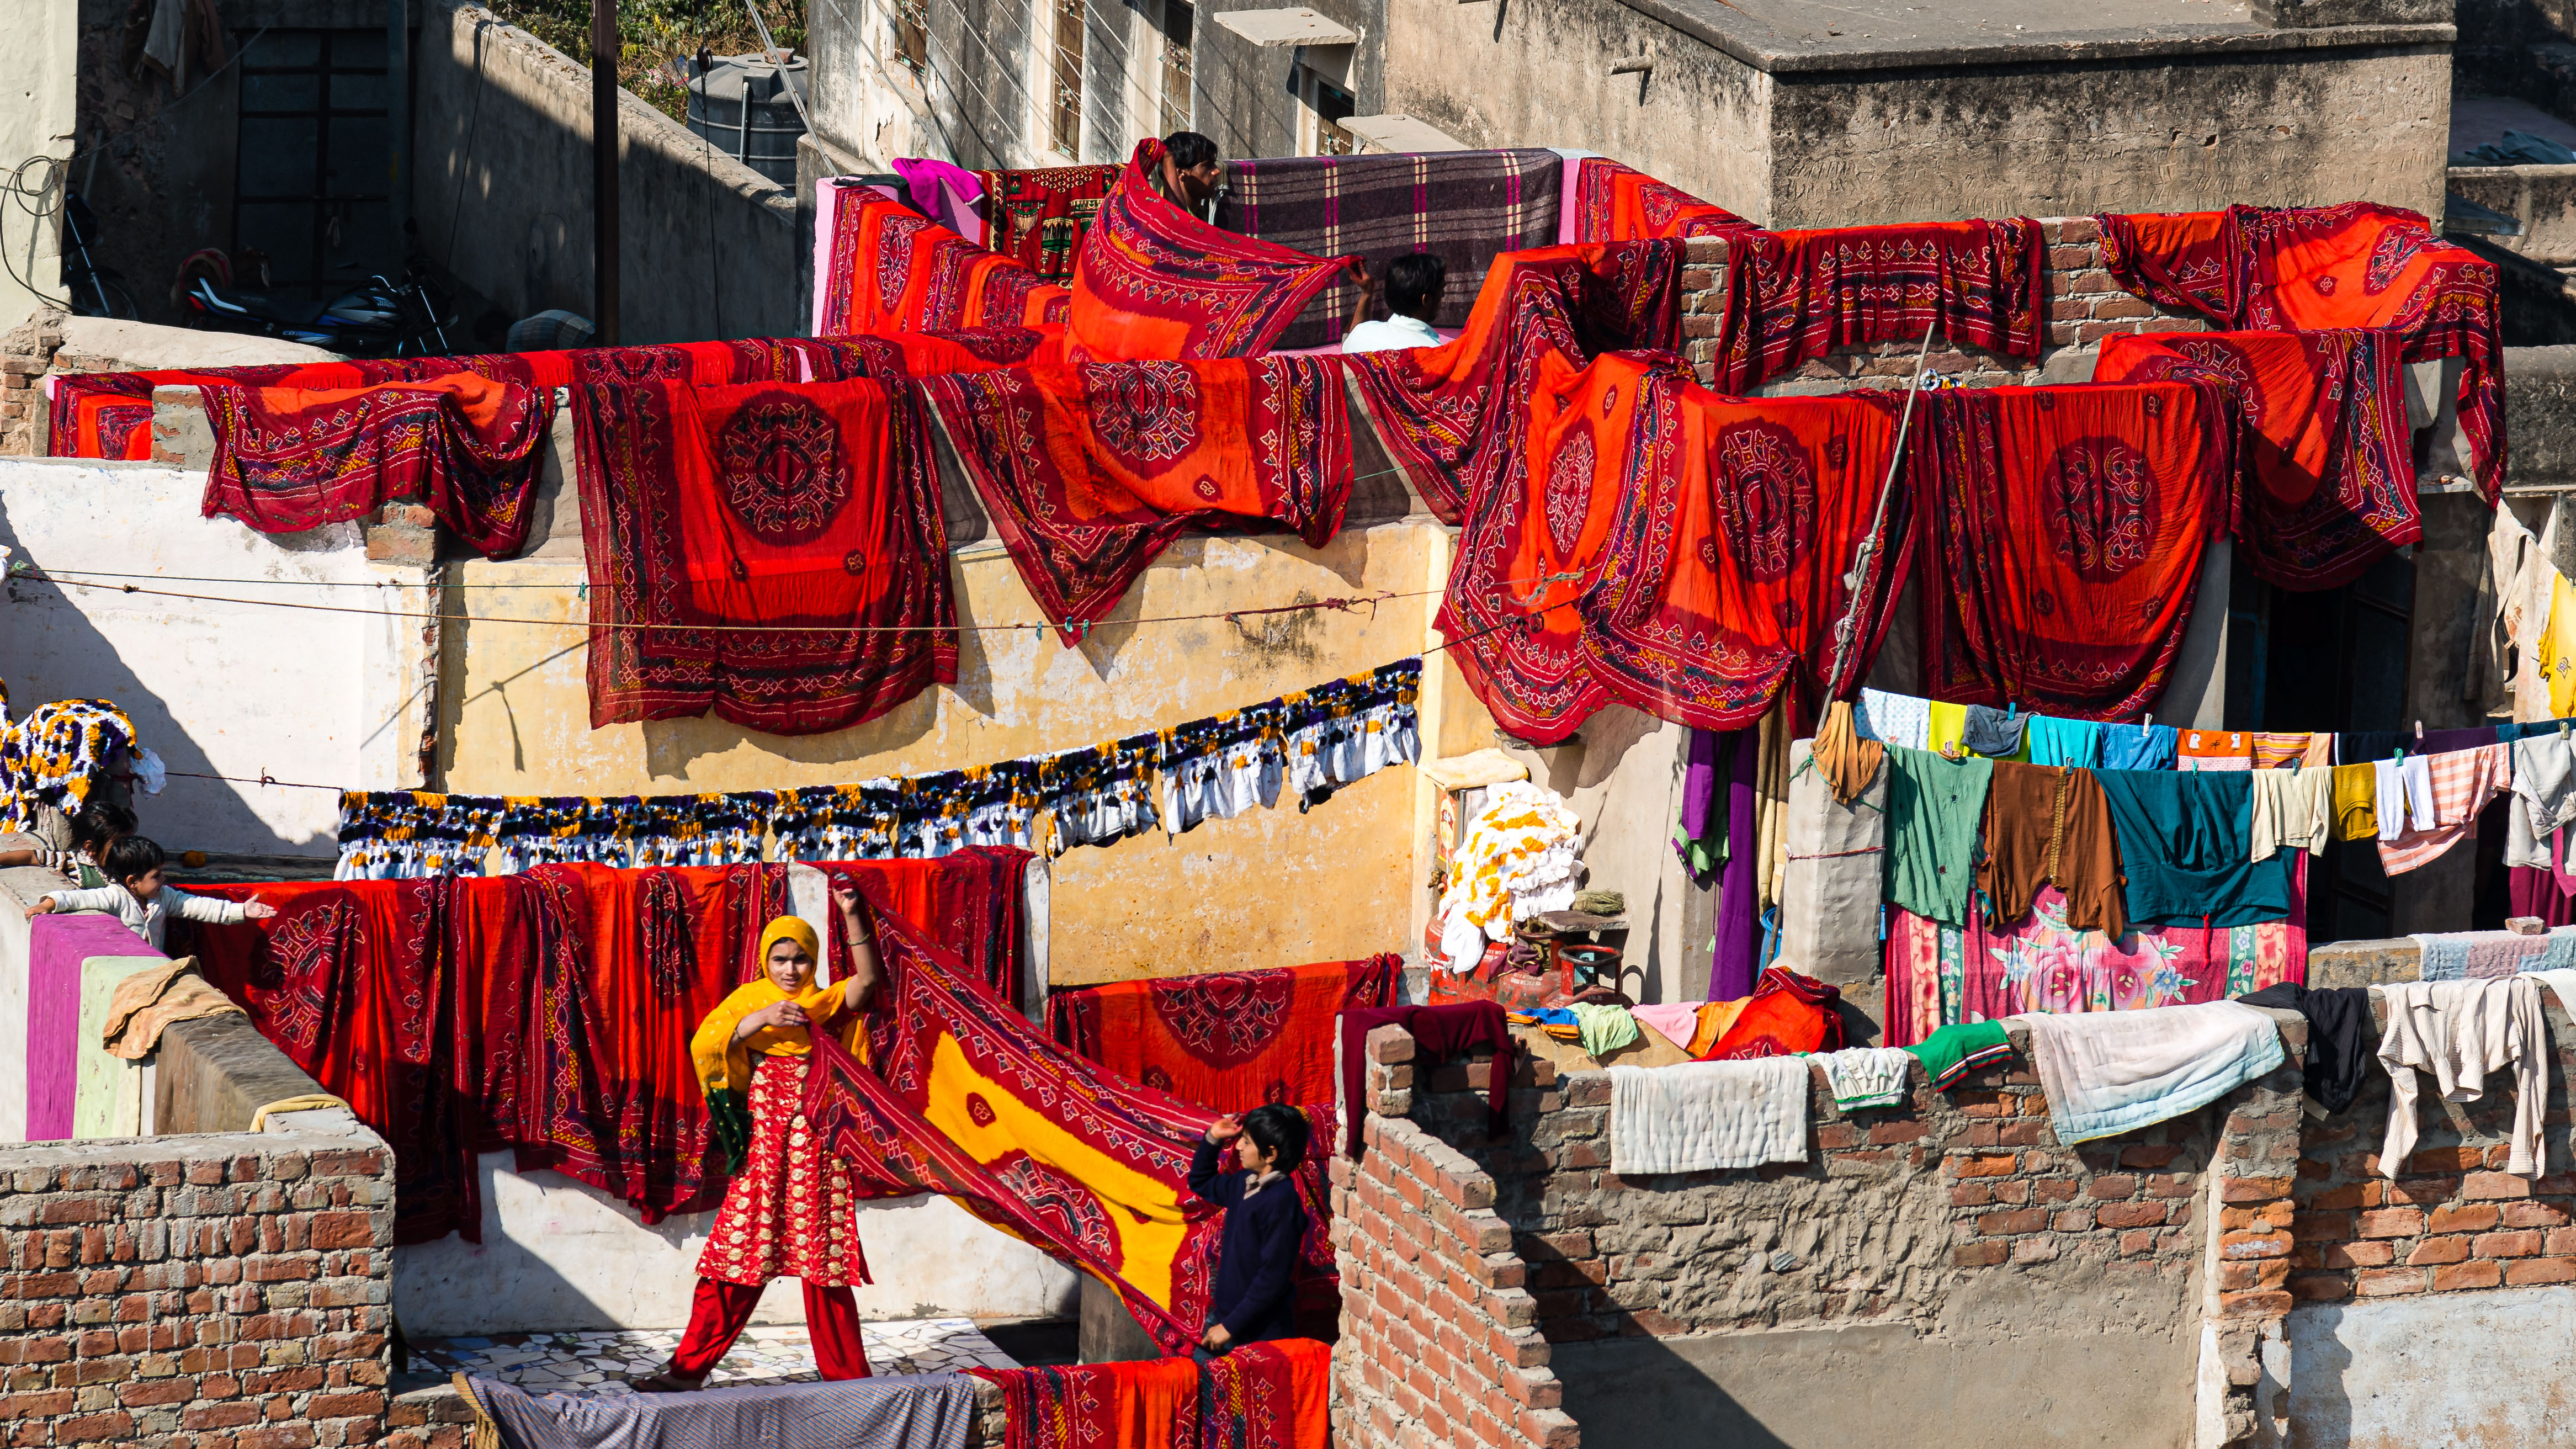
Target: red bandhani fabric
[[1724, 573], [1153, 281], [1613, 202], [1272, 1395], [1787, 1014], [2060, 533], [2314, 269], [720, 521], [895, 270], [928, 354], [548, 1012], [962, 1096], [1089, 471], [108, 414], [1451, 417], [968, 900], [1142, 1404], [1038, 218], [1794, 296], [2324, 455], [289, 459], [1228, 1040]]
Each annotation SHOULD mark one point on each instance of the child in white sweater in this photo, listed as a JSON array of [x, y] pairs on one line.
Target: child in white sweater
[[140, 899]]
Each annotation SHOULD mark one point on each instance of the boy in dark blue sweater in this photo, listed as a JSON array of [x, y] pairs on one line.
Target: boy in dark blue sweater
[[1265, 1224]]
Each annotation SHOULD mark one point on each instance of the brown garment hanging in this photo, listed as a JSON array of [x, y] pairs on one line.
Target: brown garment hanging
[[2048, 824], [1847, 761]]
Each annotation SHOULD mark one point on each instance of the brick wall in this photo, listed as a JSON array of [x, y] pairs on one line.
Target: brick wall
[[2452, 1220], [2084, 306], [190, 1292], [1438, 1346], [1897, 1213]]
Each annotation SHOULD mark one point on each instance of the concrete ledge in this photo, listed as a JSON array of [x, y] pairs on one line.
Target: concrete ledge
[[216, 1072]]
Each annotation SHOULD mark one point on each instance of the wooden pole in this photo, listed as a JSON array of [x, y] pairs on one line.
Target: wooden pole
[[603, 161]]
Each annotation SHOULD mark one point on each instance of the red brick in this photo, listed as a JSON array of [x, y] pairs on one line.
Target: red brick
[[2392, 1223], [2467, 1275], [2148, 1155], [2540, 1270], [2382, 1282], [342, 1230], [1977, 1255], [2006, 1224], [2520, 1244], [2534, 1215], [2463, 1217], [2130, 1214], [1980, 1166], [2113, 1188], [2321, 1287], [2494, 1186], [2439, 1250]]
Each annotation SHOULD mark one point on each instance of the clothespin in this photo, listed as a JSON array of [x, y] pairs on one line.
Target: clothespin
[[2562, 729], [2012, 707], [2419, 731]]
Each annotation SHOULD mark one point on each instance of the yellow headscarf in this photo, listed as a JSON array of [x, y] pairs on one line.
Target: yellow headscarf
[[724, 1065]]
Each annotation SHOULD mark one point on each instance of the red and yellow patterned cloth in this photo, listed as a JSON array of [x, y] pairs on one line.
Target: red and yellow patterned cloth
[[2310, 269], [2325, 468], [288, 459], [1228, 1040], [792, 1210], [1038, 218], [965, 1098], [773, 552], [1153, 281]]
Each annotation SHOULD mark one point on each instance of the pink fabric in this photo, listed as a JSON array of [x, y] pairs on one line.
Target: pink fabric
[[827, 211], [1676, 1021], [951, 192], [2463, 782], [55, 951]]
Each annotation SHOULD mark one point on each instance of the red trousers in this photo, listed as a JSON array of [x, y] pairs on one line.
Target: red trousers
[[720, 1310]]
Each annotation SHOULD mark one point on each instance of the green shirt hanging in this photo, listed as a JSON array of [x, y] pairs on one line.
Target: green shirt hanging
[[1933, 807]]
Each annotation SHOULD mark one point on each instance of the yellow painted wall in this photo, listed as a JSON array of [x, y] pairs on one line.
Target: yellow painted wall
[[1266, 888]]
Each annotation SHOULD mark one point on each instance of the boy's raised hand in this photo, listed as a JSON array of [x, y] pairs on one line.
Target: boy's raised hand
[[258, 911], [1224, 1130]]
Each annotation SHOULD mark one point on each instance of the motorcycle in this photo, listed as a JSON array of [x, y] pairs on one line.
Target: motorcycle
[[377, 318]]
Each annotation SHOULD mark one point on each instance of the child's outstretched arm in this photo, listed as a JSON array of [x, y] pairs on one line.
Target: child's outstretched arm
[[1208, 1175]]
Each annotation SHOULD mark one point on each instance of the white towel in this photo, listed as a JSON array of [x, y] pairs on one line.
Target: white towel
[[2405, 796], [2459, 1031], [1867, 1076], [2544, 798], [1705, 1115], [2109, 1072]]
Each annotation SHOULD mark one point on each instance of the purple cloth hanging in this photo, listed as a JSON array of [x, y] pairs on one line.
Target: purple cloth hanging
[[1699, 783], [1732, 969], [945, 193]]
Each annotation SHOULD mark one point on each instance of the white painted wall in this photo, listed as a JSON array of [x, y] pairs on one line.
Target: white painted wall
[[2472, 1370], [37, 109], [216, 688], [559, 1254]]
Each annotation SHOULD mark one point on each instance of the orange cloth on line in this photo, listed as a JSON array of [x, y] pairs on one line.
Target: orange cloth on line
[[2278, 750], [1716, 1018], [1617, 202], [896, 270], [2214, 750], [1787, 1014]]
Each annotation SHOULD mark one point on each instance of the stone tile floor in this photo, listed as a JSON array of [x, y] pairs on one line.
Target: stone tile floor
[[604, 1363]]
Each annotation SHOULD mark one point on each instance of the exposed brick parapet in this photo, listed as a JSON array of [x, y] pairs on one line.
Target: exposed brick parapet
[[188, 1291], [1439, 1341]]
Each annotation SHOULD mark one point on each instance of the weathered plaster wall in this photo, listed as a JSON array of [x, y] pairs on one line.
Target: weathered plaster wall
[[1270, 887], [2384, 1374], [501, 124], [2542, 198], [215, 687], [38, 106]]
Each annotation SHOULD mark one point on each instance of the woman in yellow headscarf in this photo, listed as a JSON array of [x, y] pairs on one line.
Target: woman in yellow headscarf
[[790, 1207]]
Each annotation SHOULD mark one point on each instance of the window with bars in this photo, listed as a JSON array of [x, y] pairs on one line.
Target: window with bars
[[315, 145], [911, 26], [1327, 106], [1178, 21], [1066, 122]]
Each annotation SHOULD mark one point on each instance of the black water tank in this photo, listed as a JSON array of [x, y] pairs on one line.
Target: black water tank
[[741, 105]]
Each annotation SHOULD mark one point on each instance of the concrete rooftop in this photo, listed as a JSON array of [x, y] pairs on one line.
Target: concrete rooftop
[[1814, 35]]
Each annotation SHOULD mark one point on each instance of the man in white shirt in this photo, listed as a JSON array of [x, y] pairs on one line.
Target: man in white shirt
[[1413, 284]]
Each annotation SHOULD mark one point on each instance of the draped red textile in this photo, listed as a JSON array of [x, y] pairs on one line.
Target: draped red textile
[[1614, 202], [2060, 533], [1228, 1040], [108, 414], [2356, 265], [895, 270], [962, 1096], [289, 459], [927, 354], [969, 900], [1153, 281], [1089, 471], [1737, 522], [759, 510], [1787, 1014], [548, 1012], [2324, 457], [1038, 218], [1451, 417], [1794, 296], [1271, 1395]]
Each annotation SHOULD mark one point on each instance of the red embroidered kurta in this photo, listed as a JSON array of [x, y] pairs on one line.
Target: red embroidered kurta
[[791, 1210]]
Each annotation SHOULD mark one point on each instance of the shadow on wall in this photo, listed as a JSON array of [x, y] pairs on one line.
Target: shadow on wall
[[50, 650]]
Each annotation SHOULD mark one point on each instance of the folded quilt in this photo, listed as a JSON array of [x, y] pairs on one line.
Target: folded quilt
[[927, 1411], [1867, 1076], [2109, 1072], [1702, 1116]]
